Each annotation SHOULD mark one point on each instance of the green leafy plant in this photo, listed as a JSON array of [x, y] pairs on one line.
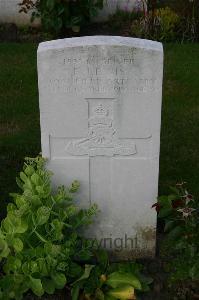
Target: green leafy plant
[[159, 24], [57, 15], [188, 10], [110, 281], [180, 212], [40, 246], [122, 19], [166, 21]]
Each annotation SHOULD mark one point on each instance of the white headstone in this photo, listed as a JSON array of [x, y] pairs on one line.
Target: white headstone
[[100, 106]]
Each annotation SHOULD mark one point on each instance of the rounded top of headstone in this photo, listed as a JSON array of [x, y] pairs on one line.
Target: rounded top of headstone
[[100, 40]]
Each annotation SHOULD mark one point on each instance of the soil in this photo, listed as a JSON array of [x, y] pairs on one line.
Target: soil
[[10, 32]]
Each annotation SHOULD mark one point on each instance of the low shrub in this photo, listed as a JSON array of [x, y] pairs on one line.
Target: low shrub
[[110, 281], [58, 15], [180, 212], [160, 25], [40, 245]]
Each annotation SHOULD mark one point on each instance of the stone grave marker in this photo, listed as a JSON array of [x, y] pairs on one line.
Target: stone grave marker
[[100, 114]]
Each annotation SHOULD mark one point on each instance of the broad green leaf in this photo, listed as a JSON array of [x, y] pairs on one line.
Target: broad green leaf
[[11, 207], [25, 268], [175, 233], [35, 200], [57, 229], [29, 170], [35, 178], [22, 227], [36, 286], [52, 262], [63, 266], [40, 190], [12, 264], [4, 250], [33, 267], [85, 254], [165, 201], [43, 270], [75, 270], [59, 280], [50, 4], [75, 292], [165, 212], [43, 190], [169, 225], [125, 292], [7, 225], [23, 177], [60, 9], [102, 257], [48, 285], [87, 271], [175, 190], [13, 224], [40, 237], [48, 247], [20, 201], [118, 278], [19, 183], [18, 244], [172, 197], [93, 11], [6, 282], [43, 214], [128, 267], [194, 271]]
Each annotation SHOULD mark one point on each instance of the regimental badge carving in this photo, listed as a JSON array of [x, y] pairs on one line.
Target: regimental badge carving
[[102, 138]]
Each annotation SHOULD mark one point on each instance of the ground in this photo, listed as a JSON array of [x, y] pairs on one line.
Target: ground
[[20, 131]]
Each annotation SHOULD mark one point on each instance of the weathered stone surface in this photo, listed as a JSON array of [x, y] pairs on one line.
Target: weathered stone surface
[[100, 106]]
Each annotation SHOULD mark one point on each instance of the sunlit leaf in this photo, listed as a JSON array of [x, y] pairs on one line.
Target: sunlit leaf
[[118, 278]]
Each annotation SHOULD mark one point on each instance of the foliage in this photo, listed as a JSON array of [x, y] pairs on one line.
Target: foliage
[[188, 11], [159, 24], [57, 15], [180, 212], [122, 18], [165, 20], [105, 281], [39, 240]]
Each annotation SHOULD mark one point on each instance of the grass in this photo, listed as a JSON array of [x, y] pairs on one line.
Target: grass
[[179, 159], [19, 115]]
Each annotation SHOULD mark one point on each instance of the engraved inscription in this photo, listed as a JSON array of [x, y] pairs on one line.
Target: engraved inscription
[[96, 73], [102, 136], [96, 84]]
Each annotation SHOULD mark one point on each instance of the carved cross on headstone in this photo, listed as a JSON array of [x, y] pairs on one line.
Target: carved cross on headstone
[[102, 138]]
